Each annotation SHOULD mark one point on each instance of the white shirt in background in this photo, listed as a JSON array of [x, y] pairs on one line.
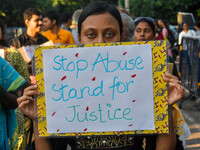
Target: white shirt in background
[[183, 33]]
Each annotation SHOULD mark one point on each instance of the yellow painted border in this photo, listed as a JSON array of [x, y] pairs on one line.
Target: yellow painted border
[[160, 90]]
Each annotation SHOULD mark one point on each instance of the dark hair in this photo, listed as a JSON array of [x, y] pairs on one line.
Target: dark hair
[[28, 13], [99, 7], [197, 24], [184, 23], [150, 23], [65, 17], [52, 15], [170, 34], [3, 40]]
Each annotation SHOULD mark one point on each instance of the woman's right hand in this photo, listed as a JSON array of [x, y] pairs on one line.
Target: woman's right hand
[[26, 102]]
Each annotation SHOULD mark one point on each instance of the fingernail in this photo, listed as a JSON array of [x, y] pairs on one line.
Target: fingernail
[[35, 86]]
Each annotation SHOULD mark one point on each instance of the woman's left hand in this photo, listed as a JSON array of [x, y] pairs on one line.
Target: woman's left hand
[[175, 89]]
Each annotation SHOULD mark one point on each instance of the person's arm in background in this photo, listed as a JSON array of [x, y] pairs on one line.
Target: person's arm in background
[[180, 38], [193, 33], [165, 32]]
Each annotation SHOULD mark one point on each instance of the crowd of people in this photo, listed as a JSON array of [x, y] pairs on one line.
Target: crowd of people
[[98, 22]]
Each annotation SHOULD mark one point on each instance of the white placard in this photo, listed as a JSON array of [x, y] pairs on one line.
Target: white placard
[[99, 89], [29, 51]]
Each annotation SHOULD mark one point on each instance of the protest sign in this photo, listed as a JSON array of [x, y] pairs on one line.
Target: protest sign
[[2, 53], [107, 89], [27, 52]]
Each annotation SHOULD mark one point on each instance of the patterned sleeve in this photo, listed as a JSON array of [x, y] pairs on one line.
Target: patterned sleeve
[[18, 62], [11, 80]]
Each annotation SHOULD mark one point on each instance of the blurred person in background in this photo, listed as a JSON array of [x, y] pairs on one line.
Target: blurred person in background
[[186, 32], [163, 28], [32, 36], [167, 35], [128, 28], [53, 31], [172, 29], [158, 33], [66, 21], [74, 25], [10, 81], [17, 62]]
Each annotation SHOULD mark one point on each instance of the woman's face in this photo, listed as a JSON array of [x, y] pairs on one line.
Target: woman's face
[[99, 28], [143, 32], [185, 27]]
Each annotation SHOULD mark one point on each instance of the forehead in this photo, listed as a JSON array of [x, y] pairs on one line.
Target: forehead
[[46, 19], [99, 21], [35, 17], [143, 25]]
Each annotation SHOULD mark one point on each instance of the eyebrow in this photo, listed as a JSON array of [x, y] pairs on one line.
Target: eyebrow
[[94, 29], [142, 28]]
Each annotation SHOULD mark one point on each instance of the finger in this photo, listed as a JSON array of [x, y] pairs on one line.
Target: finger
[[168, 75], [178, 86], [32, 87], [180, 90], [171, 80], [31, 92], [24, 103], [23, 98], [28, 113]]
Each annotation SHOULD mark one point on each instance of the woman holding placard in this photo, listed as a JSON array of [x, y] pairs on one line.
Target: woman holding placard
[[98, 23]]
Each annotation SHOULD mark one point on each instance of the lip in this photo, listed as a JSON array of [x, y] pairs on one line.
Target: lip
[[142, 39]]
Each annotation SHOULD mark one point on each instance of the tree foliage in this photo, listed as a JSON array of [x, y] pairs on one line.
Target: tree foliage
[[12, 10], [164, 9]]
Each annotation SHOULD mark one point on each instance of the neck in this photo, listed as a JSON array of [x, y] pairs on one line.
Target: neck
[[67, 25], [55, 29], [32, 33]]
